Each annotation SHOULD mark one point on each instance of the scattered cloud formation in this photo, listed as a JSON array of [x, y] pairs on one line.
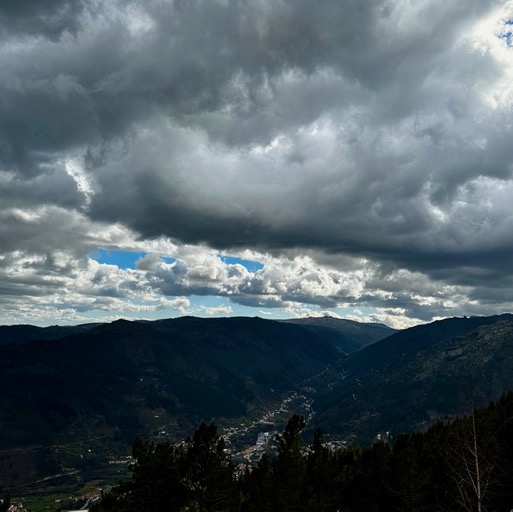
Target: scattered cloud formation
[[358, 153]]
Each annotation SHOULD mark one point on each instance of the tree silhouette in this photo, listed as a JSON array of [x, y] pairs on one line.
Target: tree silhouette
[[289, 466], [411, 474], [472, 461], [208, 471], [5, 502], [319, 490], [259, 487], [463, 465], [156, 484]]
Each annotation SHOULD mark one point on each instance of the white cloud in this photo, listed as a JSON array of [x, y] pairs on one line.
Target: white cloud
[[217, 310], [362, 155]]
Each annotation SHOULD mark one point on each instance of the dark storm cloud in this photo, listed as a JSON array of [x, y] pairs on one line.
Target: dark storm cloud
[[195, 60], [42, 230], [55, 187], [336, 201], [377, 130], [49, 18]]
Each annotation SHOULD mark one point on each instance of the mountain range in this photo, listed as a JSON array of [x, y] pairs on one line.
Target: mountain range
[[418, 376], [61, 385], [100, 385]]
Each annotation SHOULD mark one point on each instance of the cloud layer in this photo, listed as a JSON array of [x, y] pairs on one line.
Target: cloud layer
[[360, 150]]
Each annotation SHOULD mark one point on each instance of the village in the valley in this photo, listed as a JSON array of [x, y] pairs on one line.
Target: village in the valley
[[245, 442]]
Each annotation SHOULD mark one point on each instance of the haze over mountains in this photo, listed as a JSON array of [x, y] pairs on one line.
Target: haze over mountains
[[107, 383]]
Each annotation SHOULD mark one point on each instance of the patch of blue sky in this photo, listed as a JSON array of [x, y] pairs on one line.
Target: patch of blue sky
[[122, 259], [507, 34], [507, 37], [250, 265]]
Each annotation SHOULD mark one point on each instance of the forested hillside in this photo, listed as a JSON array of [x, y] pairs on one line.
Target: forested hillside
[[72, 404], [464, 465], [104, 384], [417, 376]]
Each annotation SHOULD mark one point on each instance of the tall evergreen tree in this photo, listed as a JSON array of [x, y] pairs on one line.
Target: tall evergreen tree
[[208, 471], [289, 466], [372, 479], [318, 491], [157, 484], [5, 502], [410, 474], [259, 487], [502, 486], [346, 469]]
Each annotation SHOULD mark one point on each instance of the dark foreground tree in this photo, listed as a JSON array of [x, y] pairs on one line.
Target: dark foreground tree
[[208, 472], [5, 502], [289, 466], [464, 465], [157, 484], [198, 476], [319, 489], [411, 474], [258, 487], [472, 461]]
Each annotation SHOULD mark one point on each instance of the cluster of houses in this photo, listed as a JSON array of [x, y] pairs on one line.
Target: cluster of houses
[[17, 507], [82, 501]]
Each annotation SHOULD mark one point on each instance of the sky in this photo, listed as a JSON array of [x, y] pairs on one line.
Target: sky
[[272, 158]]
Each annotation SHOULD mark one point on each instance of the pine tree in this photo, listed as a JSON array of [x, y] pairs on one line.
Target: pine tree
[[410, 474], [502, 489], [318, 490], [370, 485], [5, 502], [208, 471], [289, 466], [259, 487], [157, 484]]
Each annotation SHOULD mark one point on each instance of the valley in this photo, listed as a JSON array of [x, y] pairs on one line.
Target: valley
[[73, 404]]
